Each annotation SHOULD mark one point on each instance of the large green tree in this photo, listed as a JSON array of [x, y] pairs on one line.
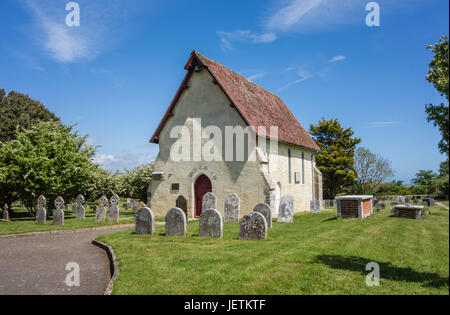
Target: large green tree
[[371, 170], [20, 111], [135, 182], [336, 158], [47, 159], [438, 76]]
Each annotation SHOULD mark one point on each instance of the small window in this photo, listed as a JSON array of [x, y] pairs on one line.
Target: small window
[[176, 186], [289, 166]]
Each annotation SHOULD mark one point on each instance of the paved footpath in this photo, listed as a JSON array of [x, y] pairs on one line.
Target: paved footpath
[[37, 264]]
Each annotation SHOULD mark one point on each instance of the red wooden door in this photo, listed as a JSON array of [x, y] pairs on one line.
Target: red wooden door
[[202, 186]]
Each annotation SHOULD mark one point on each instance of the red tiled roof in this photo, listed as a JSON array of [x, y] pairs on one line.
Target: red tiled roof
[[257, 106]]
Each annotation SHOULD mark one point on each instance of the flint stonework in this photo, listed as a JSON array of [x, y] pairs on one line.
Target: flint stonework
[[315, 206], [253, 227], [58, 213], [232, 208], [210, 224], [114, 209], [209, 201], [79, 208], [286, 212], [176, 222], [41, 212], [145, 221], [100, 214], [264, 209]]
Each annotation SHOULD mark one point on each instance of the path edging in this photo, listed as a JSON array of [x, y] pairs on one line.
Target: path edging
[[113, 265], [68, 231]]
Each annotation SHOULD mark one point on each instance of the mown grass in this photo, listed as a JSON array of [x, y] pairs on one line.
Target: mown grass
[[22, 222], [317, 254]]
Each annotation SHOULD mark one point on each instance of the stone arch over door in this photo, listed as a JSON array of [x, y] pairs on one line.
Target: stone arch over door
[[182, 204]]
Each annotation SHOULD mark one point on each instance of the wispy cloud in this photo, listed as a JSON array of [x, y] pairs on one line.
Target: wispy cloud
[[244, 36], [256, 76], [337, 58], [99, 21], [124, 160], [303, 76], [381, 124]]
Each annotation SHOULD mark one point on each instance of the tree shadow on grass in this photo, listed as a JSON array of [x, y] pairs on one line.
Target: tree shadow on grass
[[330, 219], [387, 270]]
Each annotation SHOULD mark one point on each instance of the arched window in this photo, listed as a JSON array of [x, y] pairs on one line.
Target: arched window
[[182, 204]]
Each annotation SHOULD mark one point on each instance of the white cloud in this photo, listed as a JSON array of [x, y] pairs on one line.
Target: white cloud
[[311, 15], [122, 161], [256, 76], [381, 124], [337, 58], [102, 23], [244, 36]]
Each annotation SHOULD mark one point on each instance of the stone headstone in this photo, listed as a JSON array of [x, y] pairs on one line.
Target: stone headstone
[[79, 208], [401, 199], [232, 208], [286, 212], [315, 206], [176, 222], [5, 213], [209, 201], [210, 224], [114, 210], [375, 202], [264, 209], [428, 201], [253, 227], [145, 221], [100, 214], [416, 201], [380, 206], [41, 212], [58, 213]]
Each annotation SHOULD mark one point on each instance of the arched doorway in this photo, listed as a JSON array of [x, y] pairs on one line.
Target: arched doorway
[[277, 198], [201, 187], [182, 204]]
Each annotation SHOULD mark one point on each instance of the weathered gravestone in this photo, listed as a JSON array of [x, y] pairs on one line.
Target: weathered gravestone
[[380, 206], [315, 206], [58, 213], [210, 224], [41, 212], [428, 201], [253, 227], [79, 208], [209, 201], [5, 213], [286, 212], [176, 222], [416, 201], [100, 214], [145, 221], [264, 209], [114, 210], [232, 208]]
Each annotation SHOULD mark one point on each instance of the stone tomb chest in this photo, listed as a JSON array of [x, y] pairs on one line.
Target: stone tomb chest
[[354, 206], [408, 211]]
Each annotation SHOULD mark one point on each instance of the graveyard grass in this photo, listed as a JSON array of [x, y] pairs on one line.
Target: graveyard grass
[[22, 222], [317, 254]]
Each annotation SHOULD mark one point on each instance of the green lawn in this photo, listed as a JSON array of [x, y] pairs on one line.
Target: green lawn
[[317, 254], [21, 222]]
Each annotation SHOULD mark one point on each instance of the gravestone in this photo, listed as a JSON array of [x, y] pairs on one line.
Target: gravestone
[[41, 212], [286, 212], [315, 206], [416, 201], [176, 222], [428, 201], [114, 208], [401, 199], [375, 202], [210, 224], [264, 209], [253, 227], [145, 221], [232, 208], [5, 213], [209, 201], [79, 208], [100, 214], [58, 213], [380, 206]]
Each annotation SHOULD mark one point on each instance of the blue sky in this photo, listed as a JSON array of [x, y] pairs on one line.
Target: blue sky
[[116, 74]]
